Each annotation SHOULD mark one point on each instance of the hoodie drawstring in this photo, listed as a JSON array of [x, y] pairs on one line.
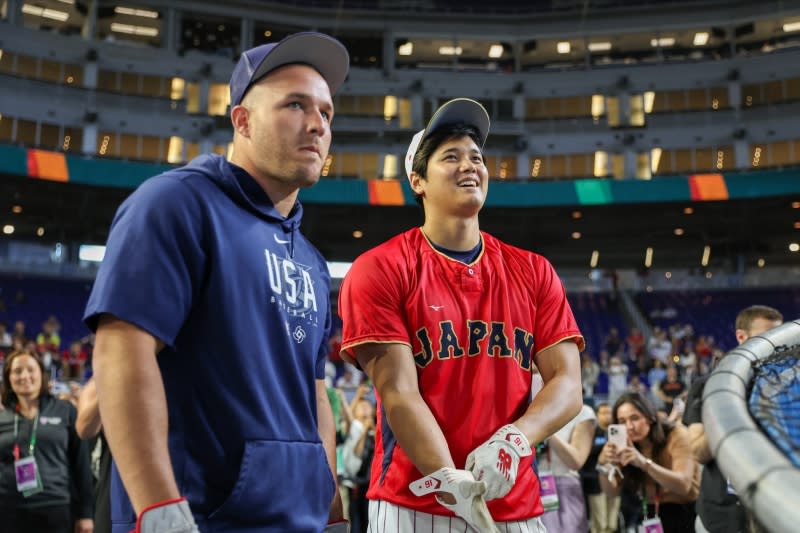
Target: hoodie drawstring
[[291, 228]]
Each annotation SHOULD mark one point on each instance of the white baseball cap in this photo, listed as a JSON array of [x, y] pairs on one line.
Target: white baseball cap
[[456, 111]]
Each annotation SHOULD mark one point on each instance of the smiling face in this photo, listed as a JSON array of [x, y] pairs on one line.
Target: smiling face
[[25, 377], [456, 179], [635, 421]]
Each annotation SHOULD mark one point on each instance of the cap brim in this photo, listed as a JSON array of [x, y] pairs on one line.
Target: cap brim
[[325, 54]]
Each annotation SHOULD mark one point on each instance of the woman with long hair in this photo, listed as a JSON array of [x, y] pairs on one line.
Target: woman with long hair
[[656, 464], [45, 477]]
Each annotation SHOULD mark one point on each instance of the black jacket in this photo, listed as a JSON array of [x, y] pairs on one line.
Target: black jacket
[[62, 458], [719, 509]]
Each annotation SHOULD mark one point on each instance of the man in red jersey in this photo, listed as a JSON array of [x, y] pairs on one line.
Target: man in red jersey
[[448, 322]]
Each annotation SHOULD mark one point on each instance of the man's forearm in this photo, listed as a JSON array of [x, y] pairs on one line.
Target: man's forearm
[[134, 411], [417, 431], [557, 403], [326, 425], [88, 423]]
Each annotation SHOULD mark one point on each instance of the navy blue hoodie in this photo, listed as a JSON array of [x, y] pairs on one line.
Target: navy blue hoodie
[[200, 258]]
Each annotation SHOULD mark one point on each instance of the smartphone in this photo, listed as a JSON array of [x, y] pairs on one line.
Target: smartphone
[[679, 405], [618, 435]]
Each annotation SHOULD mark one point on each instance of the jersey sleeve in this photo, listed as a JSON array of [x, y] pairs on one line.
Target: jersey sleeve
[[154, 260], [554, 319], [370, 305]]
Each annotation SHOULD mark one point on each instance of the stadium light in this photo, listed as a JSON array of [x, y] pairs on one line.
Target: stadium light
[[603, 46], [600, 164], [648, 257], [405, 49], [496, 51], [595, 259], [655, 159], [563, 47], [700, 38], [791, 26], [130, 29], [93, 253], [146, 13], [662, 42], [706, 255], [450, 50], [52, 14]]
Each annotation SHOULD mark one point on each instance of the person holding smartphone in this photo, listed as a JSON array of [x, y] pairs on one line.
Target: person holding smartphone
[[656, 464]]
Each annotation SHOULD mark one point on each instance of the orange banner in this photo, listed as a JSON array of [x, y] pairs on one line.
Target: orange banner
[[383, 192], [47, 165], [708, 187]]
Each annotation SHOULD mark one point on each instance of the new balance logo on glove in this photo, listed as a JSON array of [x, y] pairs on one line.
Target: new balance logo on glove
[[496, 461]]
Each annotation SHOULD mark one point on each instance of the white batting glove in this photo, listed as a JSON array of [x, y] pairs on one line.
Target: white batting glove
[[496, 461], [172, 516], [467, 492]]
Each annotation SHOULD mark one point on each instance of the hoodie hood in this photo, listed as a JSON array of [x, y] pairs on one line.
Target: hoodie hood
[[245, 191]]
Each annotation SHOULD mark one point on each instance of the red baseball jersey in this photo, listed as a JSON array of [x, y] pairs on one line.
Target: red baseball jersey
[[473, 331]]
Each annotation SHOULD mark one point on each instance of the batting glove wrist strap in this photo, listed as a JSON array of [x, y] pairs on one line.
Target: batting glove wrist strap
[[496, 461], [468, 493], [510, 434], [173, 516]]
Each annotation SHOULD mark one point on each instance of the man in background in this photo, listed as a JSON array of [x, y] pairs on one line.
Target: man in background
[[718, 507]]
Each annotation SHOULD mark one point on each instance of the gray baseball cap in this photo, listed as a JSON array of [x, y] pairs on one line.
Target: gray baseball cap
[[456, 111]]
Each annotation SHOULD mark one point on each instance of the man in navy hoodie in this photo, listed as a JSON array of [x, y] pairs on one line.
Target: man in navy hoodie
[[212, 315]]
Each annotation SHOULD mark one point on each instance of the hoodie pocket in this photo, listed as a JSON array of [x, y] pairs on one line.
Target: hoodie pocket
[[280, 482]]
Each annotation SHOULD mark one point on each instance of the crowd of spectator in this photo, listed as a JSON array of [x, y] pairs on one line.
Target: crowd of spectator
[[661, 367], [633, 377]]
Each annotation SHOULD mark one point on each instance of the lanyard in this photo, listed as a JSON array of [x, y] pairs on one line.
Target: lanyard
[[644, 503], [32, 444]]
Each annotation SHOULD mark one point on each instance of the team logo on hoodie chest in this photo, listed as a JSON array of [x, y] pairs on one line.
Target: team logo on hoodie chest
[[291, 285]]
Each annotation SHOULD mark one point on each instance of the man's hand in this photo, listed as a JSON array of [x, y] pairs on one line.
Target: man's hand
[[173, 516], [84, 525], [496, 461], [458, 491]]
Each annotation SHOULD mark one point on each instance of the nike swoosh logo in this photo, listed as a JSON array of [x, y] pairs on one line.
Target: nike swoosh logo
[[279, 241], [436, 307]]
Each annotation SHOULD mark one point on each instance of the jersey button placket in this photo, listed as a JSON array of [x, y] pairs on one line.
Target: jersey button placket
[[470, 280]]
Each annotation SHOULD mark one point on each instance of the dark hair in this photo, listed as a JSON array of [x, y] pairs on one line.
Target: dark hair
[[660, 427], [434, 140], [7, 394]]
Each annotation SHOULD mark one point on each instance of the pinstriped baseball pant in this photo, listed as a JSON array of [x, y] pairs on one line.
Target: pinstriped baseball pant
[[385, 517]]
